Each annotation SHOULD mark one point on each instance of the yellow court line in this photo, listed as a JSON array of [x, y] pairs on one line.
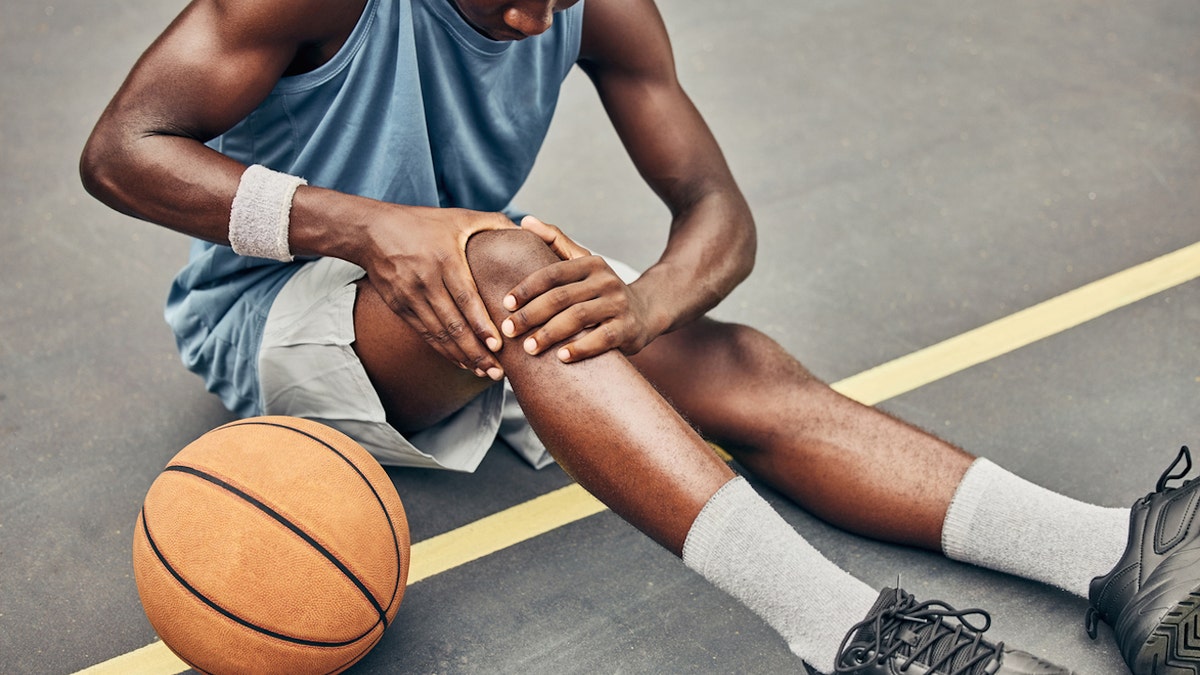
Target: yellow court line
[[429, 557], [153, 659], [572, 503], [1028, 325], [501, 530]]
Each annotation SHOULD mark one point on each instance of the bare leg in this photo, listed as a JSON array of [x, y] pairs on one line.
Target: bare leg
[[600, 419], [614, 433], [847, 463]]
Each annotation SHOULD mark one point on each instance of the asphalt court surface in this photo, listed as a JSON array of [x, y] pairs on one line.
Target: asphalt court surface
[[916, 170]]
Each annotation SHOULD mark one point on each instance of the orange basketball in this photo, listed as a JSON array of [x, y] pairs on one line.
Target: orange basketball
[[271, 545]]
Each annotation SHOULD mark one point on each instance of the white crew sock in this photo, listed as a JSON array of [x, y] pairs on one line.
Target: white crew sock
[[1003, 522], [742, 546]]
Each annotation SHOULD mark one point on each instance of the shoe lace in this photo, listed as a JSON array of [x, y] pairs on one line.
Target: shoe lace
[[919, 632]]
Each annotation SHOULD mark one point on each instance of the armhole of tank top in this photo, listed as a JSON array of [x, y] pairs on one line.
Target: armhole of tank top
[[329, 69]]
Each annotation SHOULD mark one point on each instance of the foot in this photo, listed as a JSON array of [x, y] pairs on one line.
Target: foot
[[901, 635], [1151, 597]]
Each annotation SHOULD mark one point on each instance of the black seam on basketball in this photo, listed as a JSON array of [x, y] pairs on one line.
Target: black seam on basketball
[[283, 520], [356, 658], [230, 615], [382, 506]]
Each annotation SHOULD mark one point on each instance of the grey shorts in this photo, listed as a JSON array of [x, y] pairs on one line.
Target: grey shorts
[[308, 368]]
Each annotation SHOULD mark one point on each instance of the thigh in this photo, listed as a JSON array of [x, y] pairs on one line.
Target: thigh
[[727, 379], [309, 367], [418, 386]]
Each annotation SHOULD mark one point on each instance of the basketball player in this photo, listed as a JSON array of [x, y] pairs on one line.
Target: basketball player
[[346, 171]]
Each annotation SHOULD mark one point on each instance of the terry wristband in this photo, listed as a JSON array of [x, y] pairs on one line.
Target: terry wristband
[[258, 218]]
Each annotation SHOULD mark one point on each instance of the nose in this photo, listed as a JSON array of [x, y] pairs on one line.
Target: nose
[[530, 19]]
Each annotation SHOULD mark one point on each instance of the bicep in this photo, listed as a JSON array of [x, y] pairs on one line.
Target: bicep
[[627, 54], [210, 68], [207, 70]]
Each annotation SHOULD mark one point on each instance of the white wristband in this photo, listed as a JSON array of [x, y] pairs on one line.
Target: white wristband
[[262, 207]]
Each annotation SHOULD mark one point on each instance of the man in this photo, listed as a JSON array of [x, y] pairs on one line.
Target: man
[[381, 140]]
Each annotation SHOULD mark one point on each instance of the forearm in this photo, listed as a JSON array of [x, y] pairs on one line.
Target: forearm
[[414, 257], [169, 180], [147, 156], [710, 251], [182, 184]]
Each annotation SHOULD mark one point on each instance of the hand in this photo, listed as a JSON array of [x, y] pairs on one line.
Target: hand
[[558, 242], [580, 301], [420, 269]]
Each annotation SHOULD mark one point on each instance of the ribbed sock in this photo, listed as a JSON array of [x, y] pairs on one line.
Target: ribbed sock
[[1003, 522], [742, 546]]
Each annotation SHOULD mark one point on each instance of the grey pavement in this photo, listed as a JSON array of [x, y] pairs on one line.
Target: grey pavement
[[916, 169]]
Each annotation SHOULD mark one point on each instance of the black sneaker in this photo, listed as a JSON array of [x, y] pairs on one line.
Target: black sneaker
[[1151, 597], [901, 635]]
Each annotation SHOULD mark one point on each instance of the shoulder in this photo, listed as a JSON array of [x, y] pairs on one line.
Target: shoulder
[[625, 36], [251, 22], [298, 34]]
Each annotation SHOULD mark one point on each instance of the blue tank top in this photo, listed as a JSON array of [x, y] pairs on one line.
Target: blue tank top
[[416, 108]]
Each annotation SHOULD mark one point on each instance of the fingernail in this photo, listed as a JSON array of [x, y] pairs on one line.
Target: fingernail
[[493, 344], [495, 373], [531, 345], [510, 302], [508, 328], [563, 354]]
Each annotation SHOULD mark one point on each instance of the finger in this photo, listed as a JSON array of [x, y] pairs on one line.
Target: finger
[[425, 323], [545, 307], [436, 320], [485, 222], [603, 338], [409, 297], [460, 331], [571, 322], [559, 298], [462, 284], [561, 244], [481, 337], [542, 280]]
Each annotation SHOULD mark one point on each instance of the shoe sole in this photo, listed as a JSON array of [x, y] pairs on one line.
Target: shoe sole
[[1173, 648]]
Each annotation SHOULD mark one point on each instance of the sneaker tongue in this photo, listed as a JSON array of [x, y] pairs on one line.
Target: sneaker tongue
[[887, 598], [946, 644], [959, 660]]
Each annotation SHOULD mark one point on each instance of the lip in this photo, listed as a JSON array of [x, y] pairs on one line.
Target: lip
[[501, 34], [507, 35]]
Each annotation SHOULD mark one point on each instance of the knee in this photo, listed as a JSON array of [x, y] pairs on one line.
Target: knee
[[505, 257], [761, 358], [740, 343]]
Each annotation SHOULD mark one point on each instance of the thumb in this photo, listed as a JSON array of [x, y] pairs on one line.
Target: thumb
[[558, 242]]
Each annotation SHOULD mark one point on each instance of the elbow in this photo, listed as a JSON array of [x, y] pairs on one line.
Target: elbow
[[748, 249], [93, 169], [100, 169]]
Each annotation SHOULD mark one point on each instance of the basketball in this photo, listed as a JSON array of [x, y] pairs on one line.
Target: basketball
[[271, 545]]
